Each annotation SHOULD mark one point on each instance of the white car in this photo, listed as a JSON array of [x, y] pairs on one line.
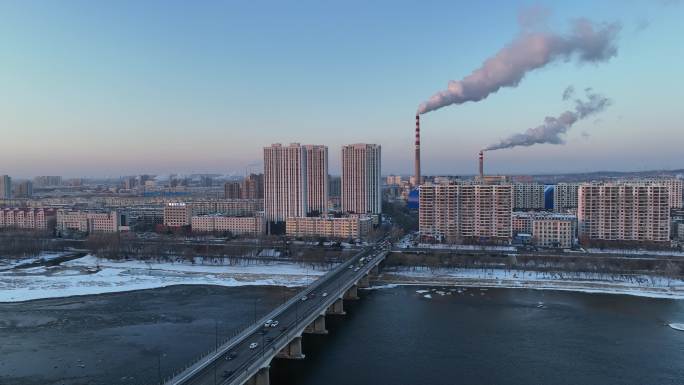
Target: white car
[[274, 324], [324, 294], [304, 298], [268, 323], [253, 345]]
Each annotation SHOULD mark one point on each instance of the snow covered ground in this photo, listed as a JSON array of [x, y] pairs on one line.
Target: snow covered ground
[[7, 264], [638, 285], [88, 275]]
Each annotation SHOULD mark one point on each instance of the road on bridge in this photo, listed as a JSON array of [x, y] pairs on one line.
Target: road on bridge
[[235, 357]]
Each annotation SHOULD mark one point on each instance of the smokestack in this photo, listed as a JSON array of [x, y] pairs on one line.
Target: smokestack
[[481, 165], [417, 159]]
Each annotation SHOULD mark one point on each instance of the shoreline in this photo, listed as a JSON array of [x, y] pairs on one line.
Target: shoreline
[[389, 280]]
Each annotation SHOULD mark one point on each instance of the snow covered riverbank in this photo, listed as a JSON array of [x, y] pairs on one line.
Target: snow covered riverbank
[[88, 275], [637, 285]]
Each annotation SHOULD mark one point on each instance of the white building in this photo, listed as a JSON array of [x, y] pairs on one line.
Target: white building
[[552, 232], [361, 167], [624, 212]]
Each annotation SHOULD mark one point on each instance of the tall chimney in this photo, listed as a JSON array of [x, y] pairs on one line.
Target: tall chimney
[[417, 160], [481, 165]]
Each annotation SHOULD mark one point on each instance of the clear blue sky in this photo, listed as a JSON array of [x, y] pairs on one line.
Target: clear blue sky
[[90, 88]]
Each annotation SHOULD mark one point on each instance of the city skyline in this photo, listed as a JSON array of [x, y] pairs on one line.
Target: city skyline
[[159, 88]]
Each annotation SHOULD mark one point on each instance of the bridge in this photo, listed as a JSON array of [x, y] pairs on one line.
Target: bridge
[[246, 358]]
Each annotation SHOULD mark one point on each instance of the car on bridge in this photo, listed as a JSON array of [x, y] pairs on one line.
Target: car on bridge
[[253, 345], [231, 356]]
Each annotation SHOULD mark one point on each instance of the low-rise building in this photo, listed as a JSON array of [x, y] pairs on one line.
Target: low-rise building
[[177, 214], [254, 225], [351, 227], [552, 232], [87, 221], [27, 218]]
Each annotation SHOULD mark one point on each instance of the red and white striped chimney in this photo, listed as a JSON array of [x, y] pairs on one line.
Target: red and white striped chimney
[[481, 165], [417, 159]]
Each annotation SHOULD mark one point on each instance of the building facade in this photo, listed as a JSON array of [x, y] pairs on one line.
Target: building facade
[[253, 225], [253, 187], [352, 227], [552, 232], [623, 213], [361, 188], [177, 214], [5, 187], [284, 182], [565, 197], [528, 196], [27, 218], [232, 190], [316, 175], [469, 213], [87, 221]]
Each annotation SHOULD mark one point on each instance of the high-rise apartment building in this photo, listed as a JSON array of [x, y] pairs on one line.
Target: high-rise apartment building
[[47, 180], [232, 190], [466, 212], [316, 175], [361, 167], [528, 196], [565, 197], [289, 173], [623, 213], [253, 186], [5, 187], [24, 189], [675, 189]]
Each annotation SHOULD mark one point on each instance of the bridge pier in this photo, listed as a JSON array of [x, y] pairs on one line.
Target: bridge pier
[[375, 270], [352, 293], [364, 282], [317, 327], [336, 308], [293, 350], [260, 378]]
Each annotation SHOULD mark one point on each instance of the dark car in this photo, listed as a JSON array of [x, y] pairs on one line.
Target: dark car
[[228, 373], [230, 356]]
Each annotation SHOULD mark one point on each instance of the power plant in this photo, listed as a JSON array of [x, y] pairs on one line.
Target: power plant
[[417, 159]]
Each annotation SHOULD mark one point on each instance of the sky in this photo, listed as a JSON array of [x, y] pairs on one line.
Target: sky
[[130, 87]]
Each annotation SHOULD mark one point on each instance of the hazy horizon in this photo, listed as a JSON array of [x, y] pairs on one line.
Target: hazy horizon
[[110, 89]]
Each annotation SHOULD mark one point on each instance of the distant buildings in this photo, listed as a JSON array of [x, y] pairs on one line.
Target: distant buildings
[[177, 214], [528, 196], [253, 187], [47, 181], [466, 213], [27, 218], [351, 227], [5, 187], [87, 221], [232, 190], [623, 213], [24, 189], [565, 197], [253, 225], [393, 180], [361, 168]]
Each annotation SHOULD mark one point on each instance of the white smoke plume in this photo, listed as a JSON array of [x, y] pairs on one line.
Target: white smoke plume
[[553, 129], [587, 42]]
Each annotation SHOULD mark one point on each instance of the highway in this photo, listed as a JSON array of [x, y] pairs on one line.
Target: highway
[[234, 361]]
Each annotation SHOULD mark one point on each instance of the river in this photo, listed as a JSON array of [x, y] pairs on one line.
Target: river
[[391, 336]]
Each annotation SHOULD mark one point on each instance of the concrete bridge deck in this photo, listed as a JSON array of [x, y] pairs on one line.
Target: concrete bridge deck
[[237, 363]]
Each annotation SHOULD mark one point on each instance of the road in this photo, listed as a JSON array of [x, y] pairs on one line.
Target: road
[[235, 357]]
